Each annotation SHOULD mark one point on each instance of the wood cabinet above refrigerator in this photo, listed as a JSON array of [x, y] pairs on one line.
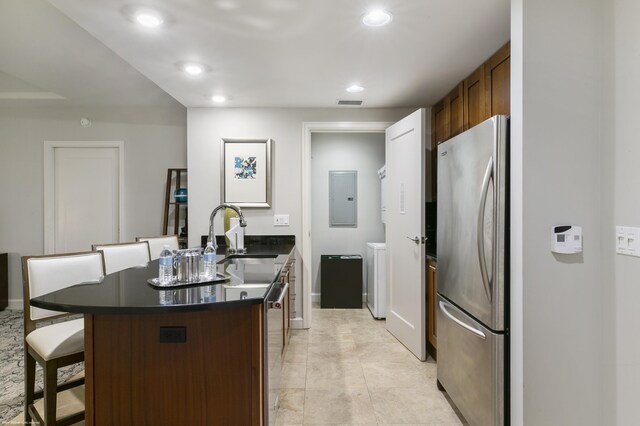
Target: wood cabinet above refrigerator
[[483, 94]]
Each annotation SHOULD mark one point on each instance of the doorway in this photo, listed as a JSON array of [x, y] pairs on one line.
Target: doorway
[[83, 195], [309, 129], [357, 156]]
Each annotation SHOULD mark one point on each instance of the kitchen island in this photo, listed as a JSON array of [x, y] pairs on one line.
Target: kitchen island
[[193, 355]]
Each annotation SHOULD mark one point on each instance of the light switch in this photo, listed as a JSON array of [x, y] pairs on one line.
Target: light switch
[[628, 240], [280, 220]]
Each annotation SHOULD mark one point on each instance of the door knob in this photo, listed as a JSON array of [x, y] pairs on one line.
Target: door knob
[[414, 239]]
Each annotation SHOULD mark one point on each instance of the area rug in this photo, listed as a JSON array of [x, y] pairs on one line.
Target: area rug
[[12, 366]]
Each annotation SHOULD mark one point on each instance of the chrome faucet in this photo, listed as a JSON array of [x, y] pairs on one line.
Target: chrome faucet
[[212, 235]]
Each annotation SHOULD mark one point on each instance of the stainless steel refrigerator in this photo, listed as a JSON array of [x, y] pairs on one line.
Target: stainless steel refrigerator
[[472, 283]]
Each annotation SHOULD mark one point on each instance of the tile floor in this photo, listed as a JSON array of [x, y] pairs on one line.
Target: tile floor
[[347, 369]]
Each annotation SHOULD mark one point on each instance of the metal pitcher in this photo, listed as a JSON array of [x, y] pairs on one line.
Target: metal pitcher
[[187, 264]]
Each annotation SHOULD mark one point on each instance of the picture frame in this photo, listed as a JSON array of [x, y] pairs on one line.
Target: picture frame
[[246, 172]]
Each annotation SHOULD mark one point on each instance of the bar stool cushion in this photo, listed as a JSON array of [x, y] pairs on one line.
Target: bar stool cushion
[[56, 340]]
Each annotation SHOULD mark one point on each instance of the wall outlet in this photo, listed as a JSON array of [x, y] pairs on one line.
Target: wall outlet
[[628, 240], [280, 220]]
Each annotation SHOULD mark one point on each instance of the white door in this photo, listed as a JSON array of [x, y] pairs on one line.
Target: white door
[[405, 168], [82, 187]]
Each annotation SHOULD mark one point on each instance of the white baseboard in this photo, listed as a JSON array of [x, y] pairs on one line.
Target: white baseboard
[[315, 297], [296, 323], [16, 304]]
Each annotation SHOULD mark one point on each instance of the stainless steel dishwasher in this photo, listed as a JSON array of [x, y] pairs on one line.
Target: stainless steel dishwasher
[[275, 346]]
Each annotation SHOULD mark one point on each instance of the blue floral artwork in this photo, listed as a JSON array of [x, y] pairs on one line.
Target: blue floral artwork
[[245, 168]]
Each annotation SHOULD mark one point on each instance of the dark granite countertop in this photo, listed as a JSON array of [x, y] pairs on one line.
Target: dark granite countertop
[[128, 292]]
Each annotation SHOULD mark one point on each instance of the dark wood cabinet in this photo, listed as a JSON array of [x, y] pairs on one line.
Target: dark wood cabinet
[[498, 81], [483, 94], [475, 99], [455, 104], [432, 338], [439, 122]]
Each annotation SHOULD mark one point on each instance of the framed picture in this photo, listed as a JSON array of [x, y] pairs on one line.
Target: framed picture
[[246, 172]]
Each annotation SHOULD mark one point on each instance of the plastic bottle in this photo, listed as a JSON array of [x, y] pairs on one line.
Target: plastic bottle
[[165, 275], [209, 261]]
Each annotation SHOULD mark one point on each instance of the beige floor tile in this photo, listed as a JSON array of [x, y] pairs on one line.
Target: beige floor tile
[[412, 405], [384, 352], [327, 335], [397, 375], [291, 408], [298, 345], [332, 352], [294, 375], [299, 336], [374, 334], [332, 325], [363, 322], [336, 406], [296, 354], [334, 375]]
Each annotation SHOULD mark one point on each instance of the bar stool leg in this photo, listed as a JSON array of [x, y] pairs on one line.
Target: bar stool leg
[[50, 392], [29, 383]]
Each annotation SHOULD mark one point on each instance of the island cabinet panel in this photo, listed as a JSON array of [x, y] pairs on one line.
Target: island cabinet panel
[[202, 367]]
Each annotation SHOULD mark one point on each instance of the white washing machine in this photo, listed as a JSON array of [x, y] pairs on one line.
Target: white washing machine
[[376, 281]]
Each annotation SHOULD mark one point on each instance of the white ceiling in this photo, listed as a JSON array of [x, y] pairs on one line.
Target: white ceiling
[[48, 60], [275, 53]]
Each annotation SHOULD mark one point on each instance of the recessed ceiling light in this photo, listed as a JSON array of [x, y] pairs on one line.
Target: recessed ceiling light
[[354, 88], [193, 68], [377, 18], [149, 19], [219, 99]]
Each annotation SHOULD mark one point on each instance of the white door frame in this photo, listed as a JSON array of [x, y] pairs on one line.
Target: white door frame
[[49, 184], [320, 127]]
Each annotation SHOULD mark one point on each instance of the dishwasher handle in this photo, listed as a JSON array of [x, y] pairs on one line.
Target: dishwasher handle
[[277, 304]]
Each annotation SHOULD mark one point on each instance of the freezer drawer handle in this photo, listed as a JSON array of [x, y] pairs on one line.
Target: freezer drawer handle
[[480, 229], [466, 326]]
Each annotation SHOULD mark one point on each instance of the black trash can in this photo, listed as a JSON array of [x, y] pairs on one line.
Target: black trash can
[[341, 281]]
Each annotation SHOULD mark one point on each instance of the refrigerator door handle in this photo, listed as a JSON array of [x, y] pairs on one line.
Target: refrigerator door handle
[[488, 174], [464, 325]]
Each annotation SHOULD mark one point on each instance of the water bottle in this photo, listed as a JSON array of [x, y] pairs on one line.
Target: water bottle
[[209, 261], [165, 275]]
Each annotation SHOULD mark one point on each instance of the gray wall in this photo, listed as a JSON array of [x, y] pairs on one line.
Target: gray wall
[[206, 128], [363, 152], [623, 283], [561, 140], [154, 140]]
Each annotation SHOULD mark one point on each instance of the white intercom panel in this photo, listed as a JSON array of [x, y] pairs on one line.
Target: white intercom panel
[[566, 239]]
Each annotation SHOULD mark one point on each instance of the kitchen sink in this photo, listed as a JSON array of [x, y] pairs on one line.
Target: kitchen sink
[[245, 291], [248, 259]]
